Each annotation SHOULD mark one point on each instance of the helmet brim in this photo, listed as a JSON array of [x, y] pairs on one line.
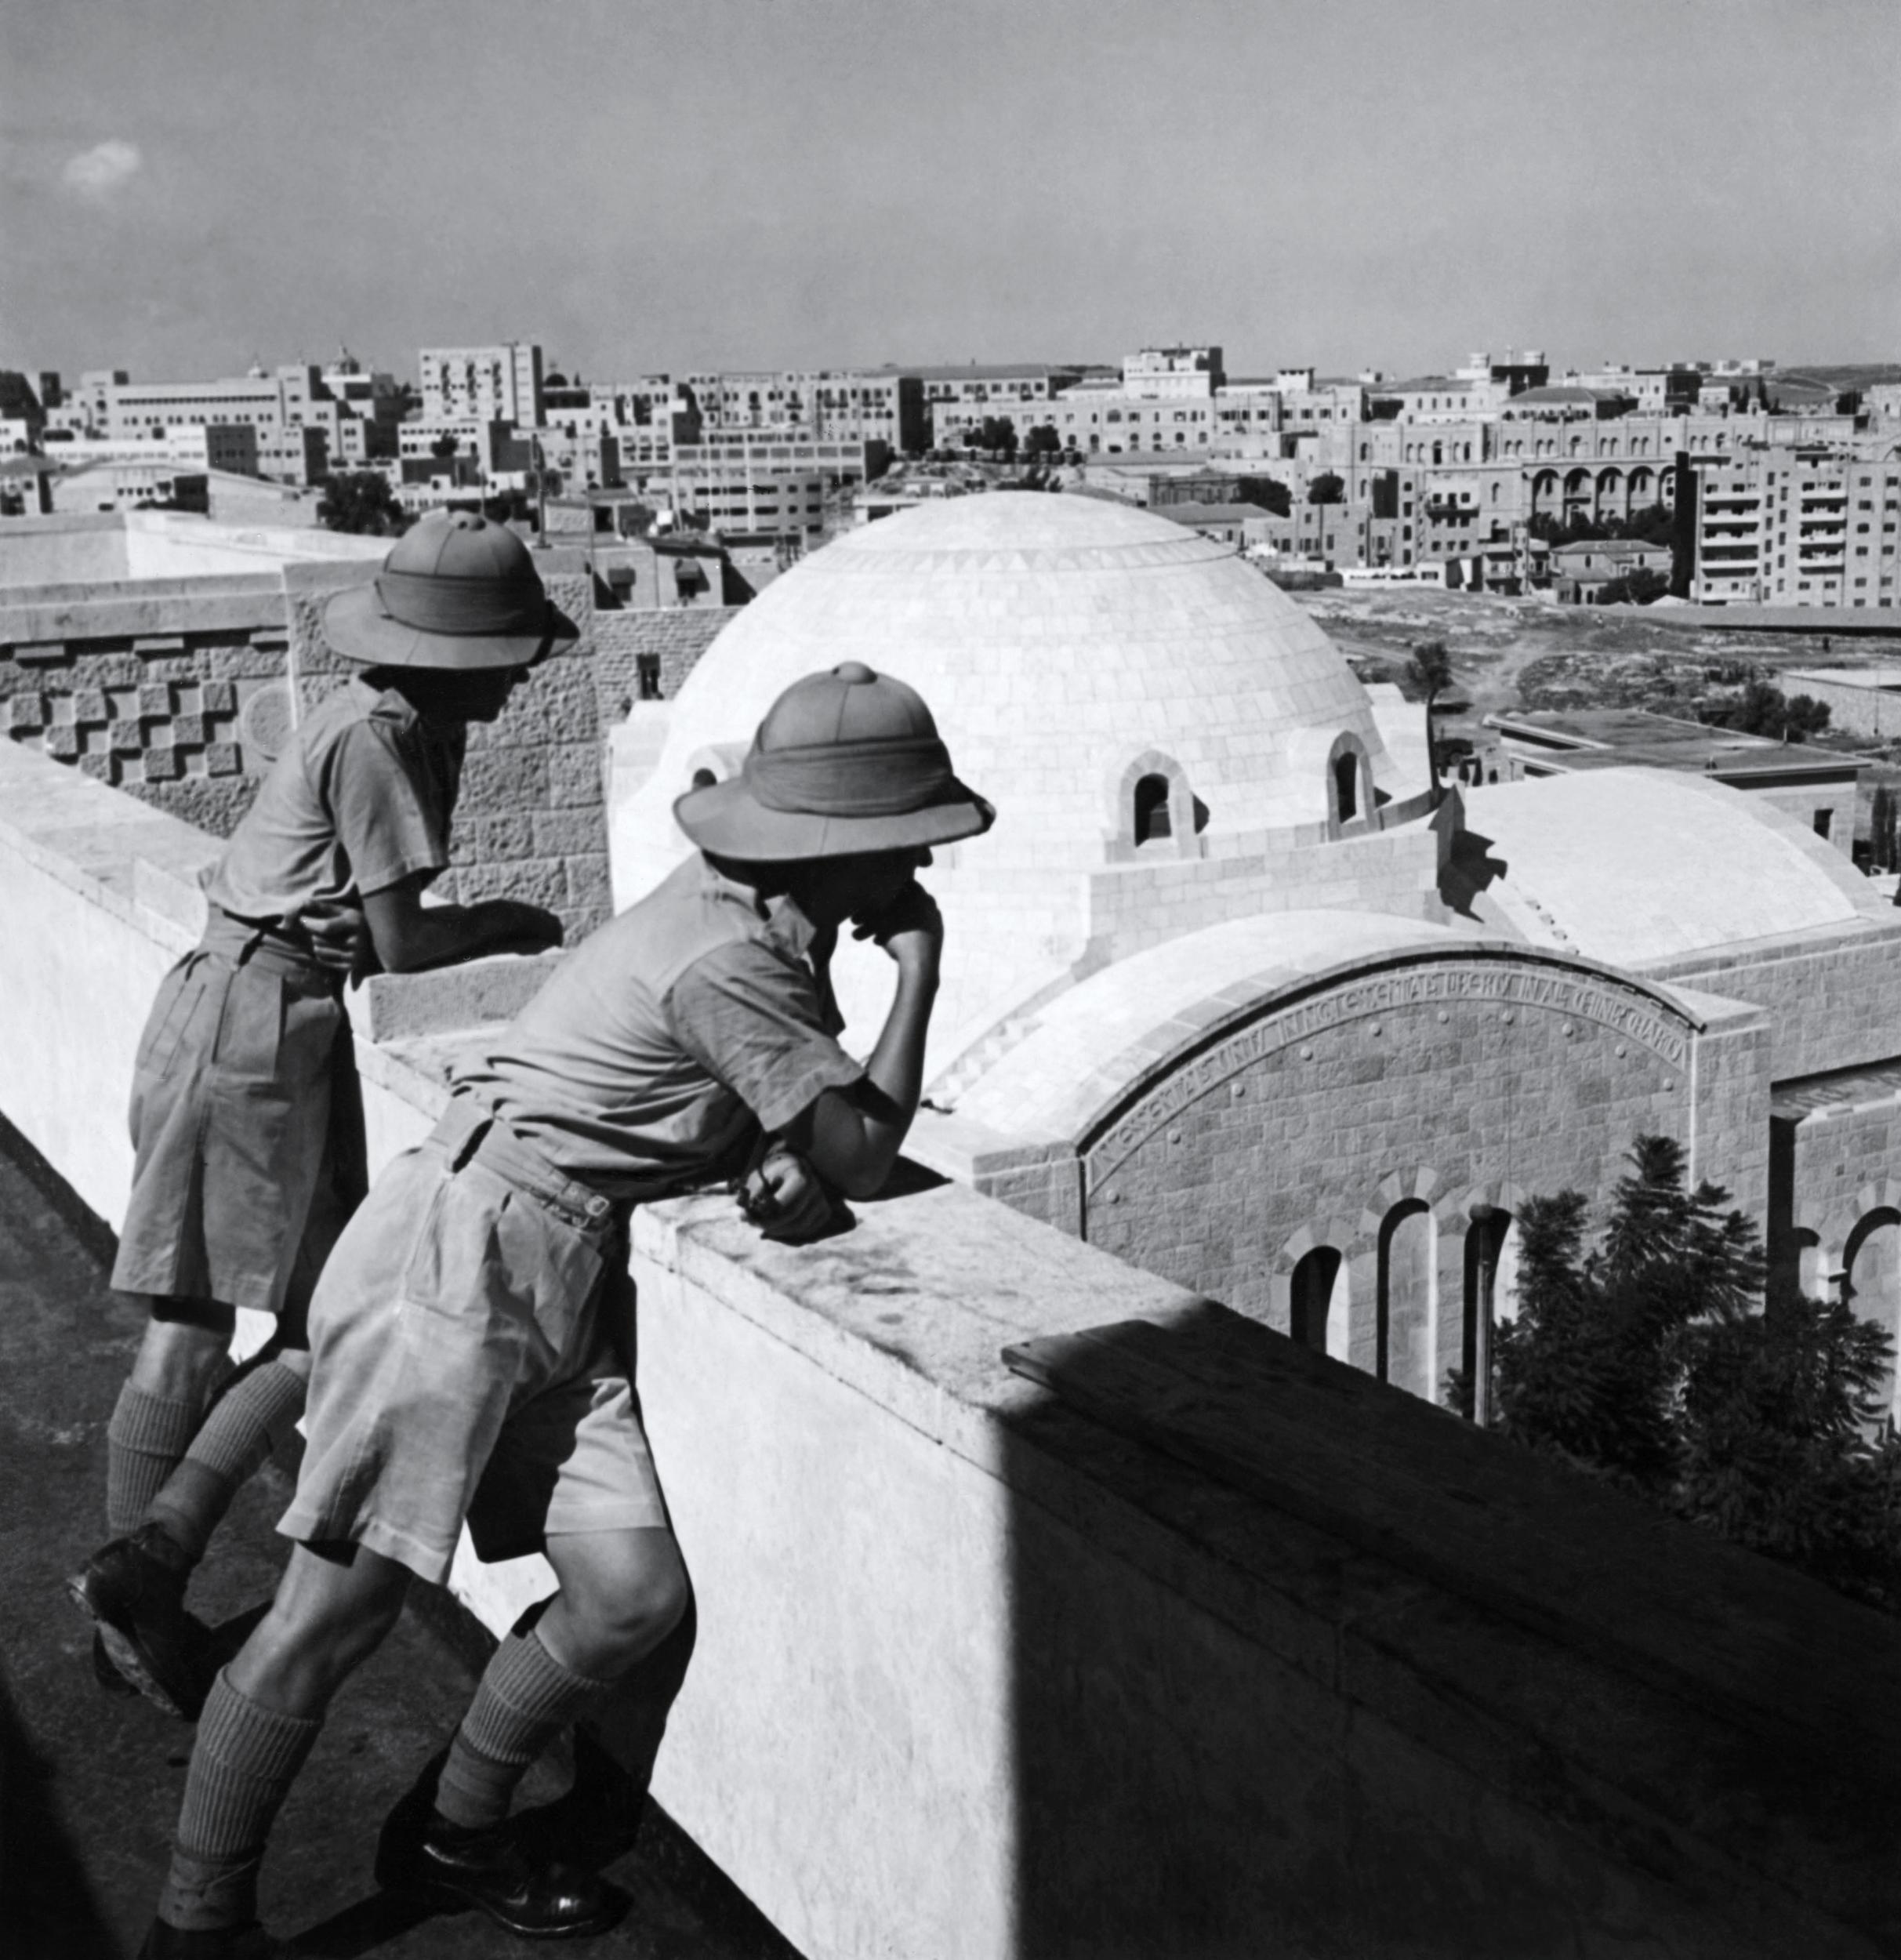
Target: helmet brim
[[358, 629], [728, 820]]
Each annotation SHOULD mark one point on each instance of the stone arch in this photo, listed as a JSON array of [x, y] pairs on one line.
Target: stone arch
[[1407, 1296], [717, 762], [1610, 485], [1871, 1279], [1349, 781], [1643, 488], [1543, 491], [1153, 809], [1310, 1290]]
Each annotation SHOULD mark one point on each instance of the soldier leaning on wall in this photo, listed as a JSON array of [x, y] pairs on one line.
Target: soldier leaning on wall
[[474, 1331], [246, 1118]]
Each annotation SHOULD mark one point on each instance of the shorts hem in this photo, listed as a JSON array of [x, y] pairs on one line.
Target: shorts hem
[[630, 1515], [428, 1562]]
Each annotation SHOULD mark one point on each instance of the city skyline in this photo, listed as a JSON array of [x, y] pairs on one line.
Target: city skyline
[[819, 184]]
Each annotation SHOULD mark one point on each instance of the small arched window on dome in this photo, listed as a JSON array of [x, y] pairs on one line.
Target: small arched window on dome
[[703, 779], [1347, 786], [1152, 814]]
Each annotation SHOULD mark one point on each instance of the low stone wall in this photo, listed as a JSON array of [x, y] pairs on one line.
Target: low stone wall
[[979, 1675], [1862, 710]]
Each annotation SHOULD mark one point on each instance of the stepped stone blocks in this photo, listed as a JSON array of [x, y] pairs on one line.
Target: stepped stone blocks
[[171, 717]]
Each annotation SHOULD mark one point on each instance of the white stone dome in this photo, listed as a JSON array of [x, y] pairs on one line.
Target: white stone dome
[[1066, 645]]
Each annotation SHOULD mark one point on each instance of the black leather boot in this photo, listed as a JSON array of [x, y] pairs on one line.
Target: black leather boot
[[490, 1869], [133, 1588]]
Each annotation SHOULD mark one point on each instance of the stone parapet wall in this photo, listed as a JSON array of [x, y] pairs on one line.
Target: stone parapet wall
[[1830, 997]]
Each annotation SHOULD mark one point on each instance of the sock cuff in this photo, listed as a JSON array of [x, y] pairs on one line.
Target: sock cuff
[[524, 1693], [249, 1420], [250, 1740], [151, 1425]]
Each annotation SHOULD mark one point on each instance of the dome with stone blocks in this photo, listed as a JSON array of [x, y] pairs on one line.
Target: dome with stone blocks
[[1079, 656], [1059, 641]]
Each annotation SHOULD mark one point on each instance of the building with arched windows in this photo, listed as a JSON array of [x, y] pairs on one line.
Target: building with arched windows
[[1229, 994]]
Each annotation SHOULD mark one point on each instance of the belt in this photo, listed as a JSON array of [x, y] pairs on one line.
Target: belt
[[468, 1131], [246, 944]]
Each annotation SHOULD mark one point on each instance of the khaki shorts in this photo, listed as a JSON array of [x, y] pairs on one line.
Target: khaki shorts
[[473, 1342], [247, 1128]]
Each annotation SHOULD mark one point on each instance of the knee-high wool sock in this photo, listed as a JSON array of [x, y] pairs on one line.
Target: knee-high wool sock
[[524, 1699], [246, 1759], [244, 1425], [146, 1441]]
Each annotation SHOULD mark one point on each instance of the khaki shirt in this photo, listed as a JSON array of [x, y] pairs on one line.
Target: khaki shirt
[[664, 1036], [360, 800]]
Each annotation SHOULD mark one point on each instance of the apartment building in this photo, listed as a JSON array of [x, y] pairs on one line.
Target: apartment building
[[498, 383], [1789, 527]]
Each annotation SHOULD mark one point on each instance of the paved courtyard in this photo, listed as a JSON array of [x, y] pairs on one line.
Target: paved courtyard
[[89, 1783]]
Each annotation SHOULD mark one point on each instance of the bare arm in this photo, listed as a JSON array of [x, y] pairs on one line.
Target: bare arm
[[852, 1136], [409, 936]]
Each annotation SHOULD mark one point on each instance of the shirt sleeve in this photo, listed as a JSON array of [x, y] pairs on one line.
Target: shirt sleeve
[[388, 827], [751, 1019]]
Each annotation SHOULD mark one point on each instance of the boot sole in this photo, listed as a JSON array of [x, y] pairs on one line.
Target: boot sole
[[123, 1650], [391, 1876]]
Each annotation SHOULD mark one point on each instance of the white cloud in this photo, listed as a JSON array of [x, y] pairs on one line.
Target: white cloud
[[106, 168]]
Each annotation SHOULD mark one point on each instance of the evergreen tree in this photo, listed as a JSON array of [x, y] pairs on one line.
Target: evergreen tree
[[1655, 1362]]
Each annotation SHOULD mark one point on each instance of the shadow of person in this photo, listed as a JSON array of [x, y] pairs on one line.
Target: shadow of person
[[376, 1921], [46, 1901]]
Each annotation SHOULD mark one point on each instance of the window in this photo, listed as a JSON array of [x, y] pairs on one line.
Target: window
[[1151, 813], [1347, 786], [1824, 822]]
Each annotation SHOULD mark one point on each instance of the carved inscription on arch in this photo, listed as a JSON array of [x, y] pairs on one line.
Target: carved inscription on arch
[[1622, 1012]]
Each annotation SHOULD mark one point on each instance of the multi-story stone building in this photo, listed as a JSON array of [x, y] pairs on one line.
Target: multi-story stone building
[[957, 399], [498, 383], [1791, 527]]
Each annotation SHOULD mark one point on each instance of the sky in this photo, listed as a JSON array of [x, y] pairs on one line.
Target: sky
[[186, 186]]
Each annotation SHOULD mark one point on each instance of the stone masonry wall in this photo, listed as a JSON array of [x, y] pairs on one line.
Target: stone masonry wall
[[1314, 1142], [532, 820], [1831, 1003], [675, 638]]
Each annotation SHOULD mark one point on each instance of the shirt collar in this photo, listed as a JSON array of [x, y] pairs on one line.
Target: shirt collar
[[383, 704], [785, 925]]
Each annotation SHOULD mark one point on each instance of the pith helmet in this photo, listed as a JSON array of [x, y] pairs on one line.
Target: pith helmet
[[456, 591], [844, 762]]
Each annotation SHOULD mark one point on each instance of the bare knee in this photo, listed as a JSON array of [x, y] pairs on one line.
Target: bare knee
[[615, 1607], [184, 1348], [328, 1617]]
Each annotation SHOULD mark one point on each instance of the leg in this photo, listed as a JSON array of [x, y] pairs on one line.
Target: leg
[[622, 1593], [184, 1355], [260, 1722], [243, 1429]]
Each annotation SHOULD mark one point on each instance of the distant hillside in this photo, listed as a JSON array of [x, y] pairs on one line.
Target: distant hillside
[[1869, 376]]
